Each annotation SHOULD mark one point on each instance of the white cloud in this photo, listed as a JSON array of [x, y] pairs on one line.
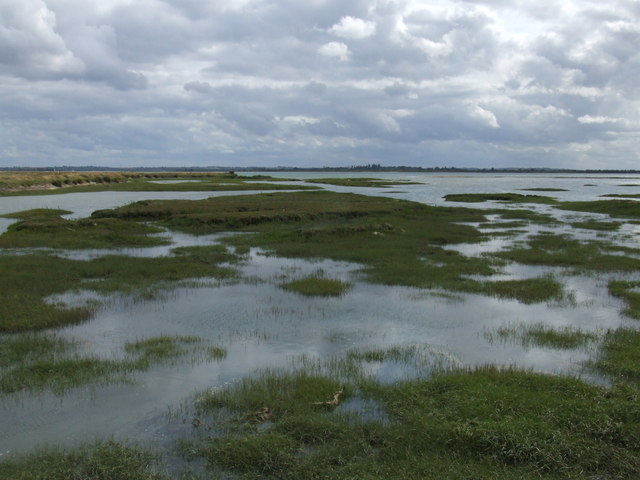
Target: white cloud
[[353, 28], [335, 49], [598, 119], [485, 116], [329, 81], [30, 41]]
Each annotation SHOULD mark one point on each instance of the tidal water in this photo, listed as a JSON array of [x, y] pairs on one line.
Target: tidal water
[[260, 325]]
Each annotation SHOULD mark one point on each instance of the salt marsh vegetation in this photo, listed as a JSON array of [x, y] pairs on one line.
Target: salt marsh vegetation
[[402, 357]]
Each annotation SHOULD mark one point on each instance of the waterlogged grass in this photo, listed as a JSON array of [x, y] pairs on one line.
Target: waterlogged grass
[[398, 242], [361, 182], [543, 189], [46, 228], [481, 424], [629, 291], [318, 285], [597, 225], [100, 461], [528, 290], [541, 335], [526, 215], [28, 280], [564, 251], [620, 356], [36, 362], [499, 197], [613, 208]]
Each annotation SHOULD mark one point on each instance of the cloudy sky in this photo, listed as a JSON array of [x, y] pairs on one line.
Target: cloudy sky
[[320, 83]]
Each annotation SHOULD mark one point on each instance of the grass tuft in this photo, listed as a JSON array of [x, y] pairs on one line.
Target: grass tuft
[[317, 285], [100, 461], [543, 336]]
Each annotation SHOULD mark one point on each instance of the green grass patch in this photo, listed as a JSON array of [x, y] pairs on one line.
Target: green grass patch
[[499, 197], [541, 335], [51, 183], [613, 208], [527, 290], [480, 424], [361, 182], [629, 291], [563, 251], [597, 225], [317, 285], [398, 242], [36, 362], [525, 215], [543, 189], [46, 228], [28, 280], [620, 356], [100, 461], [622, 195]]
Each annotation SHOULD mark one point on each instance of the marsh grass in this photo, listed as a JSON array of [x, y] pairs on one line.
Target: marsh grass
[[542, 189], [613, 208], [107, 460], [483, 423], [620, 356], [564, 251], [160, 348], [499, 197], [397, 242], [46, 228], [527, 291], [29, 279], [526, 215], [629, 291], [597, 225], [35, 362], [318, 285], [360, 182], [51, 183], [542, 335]]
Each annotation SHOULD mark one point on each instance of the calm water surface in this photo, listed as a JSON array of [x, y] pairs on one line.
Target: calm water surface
[[261, 325]]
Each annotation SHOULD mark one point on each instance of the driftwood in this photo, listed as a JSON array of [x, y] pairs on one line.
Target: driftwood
[[334, 401]]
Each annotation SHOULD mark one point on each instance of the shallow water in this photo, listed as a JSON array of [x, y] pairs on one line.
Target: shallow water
[[262, 325]]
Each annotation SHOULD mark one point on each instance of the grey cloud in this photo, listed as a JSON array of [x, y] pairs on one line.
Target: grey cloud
[[244, 82], [200, 87]]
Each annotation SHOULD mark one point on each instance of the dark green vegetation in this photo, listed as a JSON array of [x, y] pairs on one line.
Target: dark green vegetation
[[100, 461], [49, 183], [613, 208], [46, 228], [36, 362], [543, 336], [482, 424], [360, 182], [597, 225], [28, 280], [398, 242], [622, 195], [317, 286], [564, 251], [499, 197], [630, 293], [545, 190], [620, 356]]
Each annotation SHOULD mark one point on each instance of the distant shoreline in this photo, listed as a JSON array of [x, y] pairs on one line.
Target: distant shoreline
[[360, 168]]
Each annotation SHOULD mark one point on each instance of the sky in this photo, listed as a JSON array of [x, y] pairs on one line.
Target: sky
[[266, 83]]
